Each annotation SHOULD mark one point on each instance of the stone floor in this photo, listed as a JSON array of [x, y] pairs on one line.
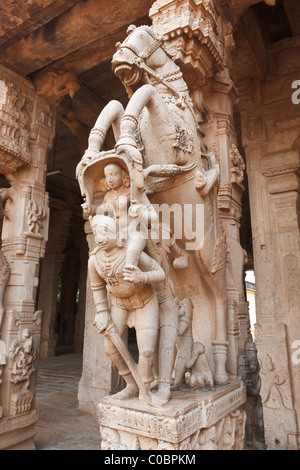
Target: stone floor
[[62, 426]]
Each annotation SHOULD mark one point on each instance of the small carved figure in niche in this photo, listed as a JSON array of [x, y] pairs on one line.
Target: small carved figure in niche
[[4, 266], [208, 439], [133, 302], [185, 340], [22, 356], [190, 356], [249, 372], [200, 372], [35, 216]]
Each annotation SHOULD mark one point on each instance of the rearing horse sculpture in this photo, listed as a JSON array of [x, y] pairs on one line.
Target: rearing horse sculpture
[[159, 124]]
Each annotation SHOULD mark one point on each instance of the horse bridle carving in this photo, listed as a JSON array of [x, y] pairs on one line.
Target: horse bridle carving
[[141, 57], [156, 44]]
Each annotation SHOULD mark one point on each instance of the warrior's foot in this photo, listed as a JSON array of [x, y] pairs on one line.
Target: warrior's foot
[[130, 391], [161, 397]]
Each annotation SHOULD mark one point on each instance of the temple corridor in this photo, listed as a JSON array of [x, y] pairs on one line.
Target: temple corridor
[[62, 426]]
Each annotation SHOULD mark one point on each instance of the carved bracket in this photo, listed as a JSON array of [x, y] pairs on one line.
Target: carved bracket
[[194, 29], [52, 85], [14, 143]]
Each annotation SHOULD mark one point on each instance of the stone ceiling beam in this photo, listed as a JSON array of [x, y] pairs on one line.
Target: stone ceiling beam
[[234, 9], [292, 10], [96, 52], [251, 57], [18, 19], [81, 25]]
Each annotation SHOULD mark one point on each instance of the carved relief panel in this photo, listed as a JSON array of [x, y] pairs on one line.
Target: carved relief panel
[[14, 145]]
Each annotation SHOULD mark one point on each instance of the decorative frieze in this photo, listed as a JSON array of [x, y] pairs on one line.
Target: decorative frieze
[[14, 144]]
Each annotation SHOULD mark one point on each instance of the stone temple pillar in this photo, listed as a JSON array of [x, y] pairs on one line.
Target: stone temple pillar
[[80, 315], [27, 130], [270, 129], [50, 269], [69, 279]]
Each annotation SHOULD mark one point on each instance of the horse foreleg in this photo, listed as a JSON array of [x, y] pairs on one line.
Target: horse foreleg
[[129, 124], [220, 343], [215, 281], [110, 116], [168, 327]]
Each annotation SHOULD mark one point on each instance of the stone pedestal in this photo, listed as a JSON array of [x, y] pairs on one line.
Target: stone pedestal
[[192, 420]]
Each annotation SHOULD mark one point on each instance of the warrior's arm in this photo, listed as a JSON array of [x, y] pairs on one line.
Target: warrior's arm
[[98, 287], [148, 271], [152, 271]]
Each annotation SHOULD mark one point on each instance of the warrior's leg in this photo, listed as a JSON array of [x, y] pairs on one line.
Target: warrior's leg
[[168, 319], [119, 317], [146, 326]]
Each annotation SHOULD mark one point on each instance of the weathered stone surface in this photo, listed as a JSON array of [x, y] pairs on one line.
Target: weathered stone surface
[[20, 18], [185, 423], [24, 236], [70, 31]]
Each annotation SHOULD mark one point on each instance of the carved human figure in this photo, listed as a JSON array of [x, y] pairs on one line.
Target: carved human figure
[[133, 219], [35, 216], [117, 197], [185, 340], [190, 356], [133, 302], [201, 374], [4, 266], [22, 356], [249, 372], [207, 439]]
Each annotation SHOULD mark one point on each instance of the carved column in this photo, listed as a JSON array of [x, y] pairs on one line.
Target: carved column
[[220, 138], [26, 134], [80, 316], [270, 127], [50, 270], [52, 85], [69, 280]]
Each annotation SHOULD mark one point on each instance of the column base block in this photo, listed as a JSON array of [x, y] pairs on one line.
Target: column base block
[[17, 433], [192, 420]]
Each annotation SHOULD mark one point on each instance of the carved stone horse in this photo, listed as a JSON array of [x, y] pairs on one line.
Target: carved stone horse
[[159, 123]]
